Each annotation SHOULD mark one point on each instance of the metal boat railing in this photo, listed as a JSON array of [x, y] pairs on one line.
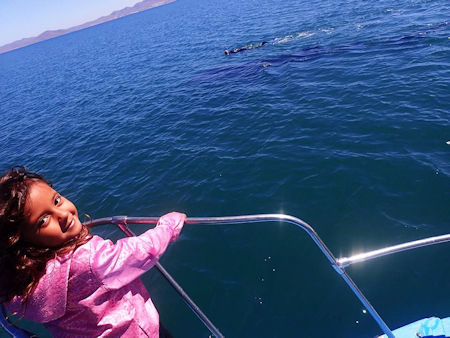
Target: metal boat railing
[[338, 264]]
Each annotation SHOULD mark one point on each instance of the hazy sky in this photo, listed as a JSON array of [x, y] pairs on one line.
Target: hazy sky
[[26, 18]]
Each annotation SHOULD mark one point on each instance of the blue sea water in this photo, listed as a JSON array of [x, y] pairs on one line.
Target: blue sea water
[[341, 121]]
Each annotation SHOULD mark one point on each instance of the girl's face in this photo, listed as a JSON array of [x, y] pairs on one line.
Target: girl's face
[[52, 219]]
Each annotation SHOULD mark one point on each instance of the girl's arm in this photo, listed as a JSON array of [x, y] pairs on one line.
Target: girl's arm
[[118, 264]]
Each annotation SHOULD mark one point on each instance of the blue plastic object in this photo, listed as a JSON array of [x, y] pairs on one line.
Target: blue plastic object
[[13, 330], [424, 328]]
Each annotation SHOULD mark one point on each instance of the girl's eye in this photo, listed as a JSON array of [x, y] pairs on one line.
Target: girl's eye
[[43, 221], [57, 200]]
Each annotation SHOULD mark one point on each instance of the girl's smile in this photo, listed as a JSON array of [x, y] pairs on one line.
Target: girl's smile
[[52, 219]]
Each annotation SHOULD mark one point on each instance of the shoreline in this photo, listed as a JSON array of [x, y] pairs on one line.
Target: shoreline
[[47, 35]]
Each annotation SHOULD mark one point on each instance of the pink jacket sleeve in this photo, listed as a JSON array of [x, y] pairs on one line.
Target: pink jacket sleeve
[[119, 264]]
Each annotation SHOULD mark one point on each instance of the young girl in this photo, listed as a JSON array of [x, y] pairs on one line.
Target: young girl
[[54, 272]]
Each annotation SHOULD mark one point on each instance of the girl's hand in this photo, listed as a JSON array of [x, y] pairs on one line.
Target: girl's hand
[[175, 221]]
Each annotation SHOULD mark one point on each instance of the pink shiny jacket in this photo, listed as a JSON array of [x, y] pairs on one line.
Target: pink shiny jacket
[[95, 290]]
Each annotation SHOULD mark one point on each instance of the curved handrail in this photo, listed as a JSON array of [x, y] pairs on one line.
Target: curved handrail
[[266, 218]]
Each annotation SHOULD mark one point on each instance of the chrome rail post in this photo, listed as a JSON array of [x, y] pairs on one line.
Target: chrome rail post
[[121, 222]]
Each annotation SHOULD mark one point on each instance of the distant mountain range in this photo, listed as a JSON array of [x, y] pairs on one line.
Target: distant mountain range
[[139, 7]]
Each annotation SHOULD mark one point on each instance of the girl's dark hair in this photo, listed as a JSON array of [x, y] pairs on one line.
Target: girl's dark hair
[[22, 264]]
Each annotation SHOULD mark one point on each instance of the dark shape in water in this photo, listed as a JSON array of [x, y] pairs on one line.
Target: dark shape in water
[[310, 53], [247, 47]]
